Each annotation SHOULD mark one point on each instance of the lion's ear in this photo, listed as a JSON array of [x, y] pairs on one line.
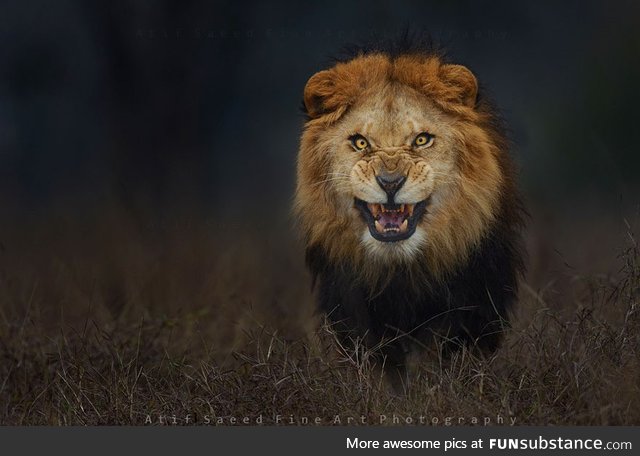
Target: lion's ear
[[319, 87], [463, 81]]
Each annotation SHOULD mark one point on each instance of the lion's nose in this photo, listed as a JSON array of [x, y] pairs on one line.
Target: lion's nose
[[390, 183]]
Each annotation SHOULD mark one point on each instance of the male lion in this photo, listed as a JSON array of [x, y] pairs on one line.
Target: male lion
[[408, 203]]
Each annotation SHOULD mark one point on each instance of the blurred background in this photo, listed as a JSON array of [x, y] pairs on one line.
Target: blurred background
[[185, 117]]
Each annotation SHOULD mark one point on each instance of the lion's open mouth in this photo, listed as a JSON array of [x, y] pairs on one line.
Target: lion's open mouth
[[391, 222]]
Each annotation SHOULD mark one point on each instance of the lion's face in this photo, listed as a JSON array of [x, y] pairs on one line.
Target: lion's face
[[391, 172], [392, 155]]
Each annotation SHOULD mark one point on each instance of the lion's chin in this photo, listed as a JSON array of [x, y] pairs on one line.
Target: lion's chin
[[390, 253], [391, 222]]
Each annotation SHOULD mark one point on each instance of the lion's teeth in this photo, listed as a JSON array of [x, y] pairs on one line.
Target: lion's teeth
[[404, 225], [379, 227]]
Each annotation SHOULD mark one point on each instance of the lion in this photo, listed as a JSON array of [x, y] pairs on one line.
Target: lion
[[408, 204]]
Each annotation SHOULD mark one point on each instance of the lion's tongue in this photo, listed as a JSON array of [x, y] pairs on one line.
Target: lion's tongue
[[391, 221], [391, 218]]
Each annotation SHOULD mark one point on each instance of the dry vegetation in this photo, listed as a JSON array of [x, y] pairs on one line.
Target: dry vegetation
[[115, 322]]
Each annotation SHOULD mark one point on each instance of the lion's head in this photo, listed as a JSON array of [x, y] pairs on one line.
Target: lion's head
[[399, 163]]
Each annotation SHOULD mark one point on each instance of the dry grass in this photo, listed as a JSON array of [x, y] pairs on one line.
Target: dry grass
[[110, 323]]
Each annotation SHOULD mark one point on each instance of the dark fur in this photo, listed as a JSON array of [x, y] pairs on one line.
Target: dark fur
[[471, 306], [406, 43]]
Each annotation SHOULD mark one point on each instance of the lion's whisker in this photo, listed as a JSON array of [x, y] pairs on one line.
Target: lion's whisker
[[331, 179]]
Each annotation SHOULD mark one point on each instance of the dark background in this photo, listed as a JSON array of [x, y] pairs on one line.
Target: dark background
[[156, 105]]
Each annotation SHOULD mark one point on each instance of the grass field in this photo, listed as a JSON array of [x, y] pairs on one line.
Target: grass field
[[107, 321]]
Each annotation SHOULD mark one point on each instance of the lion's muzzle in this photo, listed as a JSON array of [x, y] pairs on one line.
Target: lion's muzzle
[[391, 192]]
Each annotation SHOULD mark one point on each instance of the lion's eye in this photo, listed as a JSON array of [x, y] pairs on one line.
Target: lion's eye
[[423, 140], [359, 142]]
